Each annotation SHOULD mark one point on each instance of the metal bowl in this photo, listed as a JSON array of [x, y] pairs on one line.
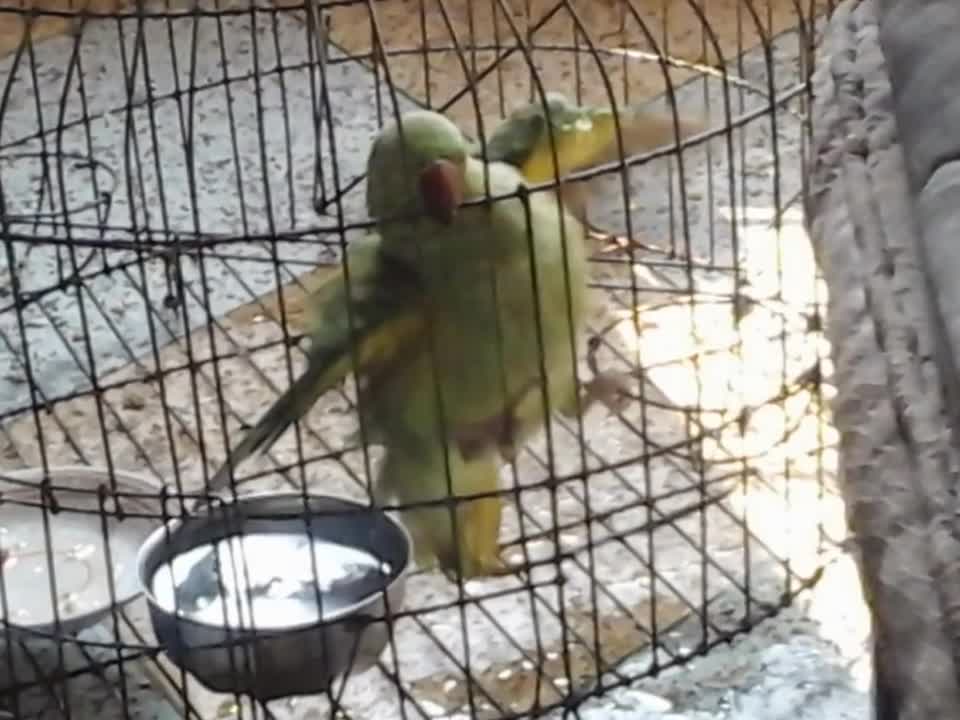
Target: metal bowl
[[255, 627], [73, 547]]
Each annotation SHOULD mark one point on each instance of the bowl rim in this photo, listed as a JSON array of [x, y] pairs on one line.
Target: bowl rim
[[172, 525], [133, 480]]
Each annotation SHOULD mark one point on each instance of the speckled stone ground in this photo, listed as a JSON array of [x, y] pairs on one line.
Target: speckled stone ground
[[810, 662]]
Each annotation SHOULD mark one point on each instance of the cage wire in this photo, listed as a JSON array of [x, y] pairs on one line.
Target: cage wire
[[176, 178]]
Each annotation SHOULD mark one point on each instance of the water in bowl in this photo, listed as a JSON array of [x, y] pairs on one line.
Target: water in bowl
[[267, 580]]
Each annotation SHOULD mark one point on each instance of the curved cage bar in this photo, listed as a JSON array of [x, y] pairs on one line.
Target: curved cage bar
[[176, 178]]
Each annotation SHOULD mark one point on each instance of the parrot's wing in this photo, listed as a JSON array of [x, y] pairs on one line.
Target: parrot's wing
[[364, 317], [359, 319], [546, 141], [581, 137]]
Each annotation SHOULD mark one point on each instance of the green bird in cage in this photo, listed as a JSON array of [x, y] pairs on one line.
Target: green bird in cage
[[451, 316]]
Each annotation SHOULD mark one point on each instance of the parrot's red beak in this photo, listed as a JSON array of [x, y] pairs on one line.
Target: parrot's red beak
[[441, 187]]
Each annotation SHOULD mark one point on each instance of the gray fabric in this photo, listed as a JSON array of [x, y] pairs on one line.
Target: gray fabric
[[919, 43], [867, 214]]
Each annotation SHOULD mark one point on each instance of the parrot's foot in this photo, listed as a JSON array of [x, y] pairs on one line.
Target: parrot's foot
[[610, 243], [496, 431], [491, 566], [611, 388]]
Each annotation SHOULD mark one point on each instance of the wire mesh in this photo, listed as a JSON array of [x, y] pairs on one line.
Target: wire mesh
[[175, 179]]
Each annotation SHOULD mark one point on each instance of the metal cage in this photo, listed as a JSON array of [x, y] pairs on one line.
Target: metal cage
[[175, 178]]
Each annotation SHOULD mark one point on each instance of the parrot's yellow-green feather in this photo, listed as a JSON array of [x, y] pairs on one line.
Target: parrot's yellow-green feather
[[382, 309], [364, 325]]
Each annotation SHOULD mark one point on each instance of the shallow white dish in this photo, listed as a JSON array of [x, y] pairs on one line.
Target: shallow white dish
[[78, 548]]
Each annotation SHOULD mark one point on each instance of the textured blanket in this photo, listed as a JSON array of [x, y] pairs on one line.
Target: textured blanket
[[884, 216]]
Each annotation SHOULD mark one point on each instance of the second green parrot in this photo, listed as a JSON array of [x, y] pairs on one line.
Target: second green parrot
[[551, 139]]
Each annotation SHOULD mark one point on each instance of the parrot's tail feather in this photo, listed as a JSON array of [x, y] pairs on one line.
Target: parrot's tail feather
[[288, 408]]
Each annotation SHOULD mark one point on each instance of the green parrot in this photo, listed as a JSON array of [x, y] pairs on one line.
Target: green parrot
[[473, 390], [582, 137], [440, 320]]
